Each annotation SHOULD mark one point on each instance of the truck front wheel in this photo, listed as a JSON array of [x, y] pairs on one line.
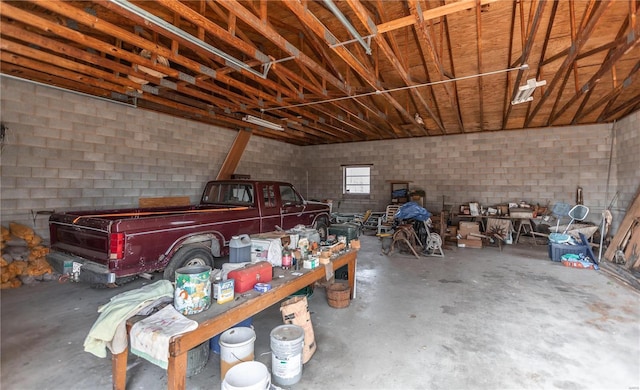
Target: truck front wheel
[[322, 227], [188, 256]]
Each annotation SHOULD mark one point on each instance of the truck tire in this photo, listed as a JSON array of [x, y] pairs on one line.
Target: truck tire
[[187, 256], [322, 227]]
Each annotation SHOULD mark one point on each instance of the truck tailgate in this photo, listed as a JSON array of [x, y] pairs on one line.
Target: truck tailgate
[[88, 242]]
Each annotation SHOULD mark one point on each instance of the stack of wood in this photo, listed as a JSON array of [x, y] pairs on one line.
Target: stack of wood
[[624, 249], [23, 258]]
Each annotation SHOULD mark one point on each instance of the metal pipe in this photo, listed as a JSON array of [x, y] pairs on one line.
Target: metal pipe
[[343, 19], [229, 60], [606, 193]]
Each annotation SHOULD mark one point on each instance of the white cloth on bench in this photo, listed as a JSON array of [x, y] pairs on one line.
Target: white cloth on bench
[[150, 337], [109, 330]]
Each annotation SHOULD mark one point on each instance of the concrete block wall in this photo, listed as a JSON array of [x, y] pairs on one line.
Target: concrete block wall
[[265, 159], [626, 165], [66, 151], [69, 151], [538, 166]]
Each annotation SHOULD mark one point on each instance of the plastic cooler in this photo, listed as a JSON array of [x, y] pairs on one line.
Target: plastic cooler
[[349, 230], [557, 250]]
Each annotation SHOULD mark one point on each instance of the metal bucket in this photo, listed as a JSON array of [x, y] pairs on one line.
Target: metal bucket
[[193, 289], [287, 342]]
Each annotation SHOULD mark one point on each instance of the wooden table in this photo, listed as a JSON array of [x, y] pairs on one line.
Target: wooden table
[[222, 317]]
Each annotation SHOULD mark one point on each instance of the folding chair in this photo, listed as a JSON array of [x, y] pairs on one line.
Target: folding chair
[[385, 224], [558, 211], [577, 213]]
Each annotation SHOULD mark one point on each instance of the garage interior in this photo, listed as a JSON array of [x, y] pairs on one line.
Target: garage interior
[[472, 102]]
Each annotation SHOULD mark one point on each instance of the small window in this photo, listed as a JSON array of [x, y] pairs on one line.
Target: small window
[[288, 195], [269, 196], [357, 180], [228, 193]]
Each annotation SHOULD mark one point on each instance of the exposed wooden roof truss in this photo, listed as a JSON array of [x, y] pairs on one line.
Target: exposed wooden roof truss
[[336, 71]]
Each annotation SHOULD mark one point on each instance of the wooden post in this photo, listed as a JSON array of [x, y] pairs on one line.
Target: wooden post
[[119, 370], [235, 154]]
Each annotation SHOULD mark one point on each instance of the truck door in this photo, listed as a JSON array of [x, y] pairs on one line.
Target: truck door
[[270, 212], [292, 207]]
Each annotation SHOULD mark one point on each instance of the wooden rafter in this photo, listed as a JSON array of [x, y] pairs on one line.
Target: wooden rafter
[[626, 107], [526, 52], [561, 74], [234, 7], [480, 69], [434, 13], [359, 68], [609, 97], [440, 74], [624, 44], [588, 53], [392, 57], [286, 74]]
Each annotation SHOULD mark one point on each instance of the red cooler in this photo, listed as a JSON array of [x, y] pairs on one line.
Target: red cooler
[[247, 277]]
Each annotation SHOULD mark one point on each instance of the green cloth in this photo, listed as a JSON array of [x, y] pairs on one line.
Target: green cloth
[[109, 330]]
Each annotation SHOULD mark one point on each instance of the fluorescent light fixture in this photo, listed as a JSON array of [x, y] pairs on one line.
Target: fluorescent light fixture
[[262, 122], [525, 91]]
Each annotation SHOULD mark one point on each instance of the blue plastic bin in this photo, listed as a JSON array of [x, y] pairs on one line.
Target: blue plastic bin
[[557, 250]]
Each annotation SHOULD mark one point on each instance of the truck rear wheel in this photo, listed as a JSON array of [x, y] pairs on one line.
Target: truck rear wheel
[[188, 256]]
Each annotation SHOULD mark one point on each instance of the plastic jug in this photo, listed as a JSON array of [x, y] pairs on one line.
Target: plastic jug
[[240, 249]]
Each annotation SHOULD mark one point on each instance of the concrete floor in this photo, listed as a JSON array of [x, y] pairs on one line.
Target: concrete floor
[[476, 319]]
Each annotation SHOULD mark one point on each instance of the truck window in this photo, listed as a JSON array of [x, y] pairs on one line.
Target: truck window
[[269, 196], [240, 194], [289, 196]]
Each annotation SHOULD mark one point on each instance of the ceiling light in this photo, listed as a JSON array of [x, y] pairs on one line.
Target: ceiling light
[[525, 91], [262, 122]]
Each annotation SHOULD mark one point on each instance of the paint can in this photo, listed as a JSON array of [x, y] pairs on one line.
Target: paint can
[[193, 289], [286, 354]]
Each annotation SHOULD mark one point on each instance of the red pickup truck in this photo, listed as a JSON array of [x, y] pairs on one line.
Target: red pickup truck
[[114, 245]]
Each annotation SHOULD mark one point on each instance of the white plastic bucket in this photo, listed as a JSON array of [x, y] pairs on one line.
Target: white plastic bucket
[[286, 354], [247, 376], [236, 346]]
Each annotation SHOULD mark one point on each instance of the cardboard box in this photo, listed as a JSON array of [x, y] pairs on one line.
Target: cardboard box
[[523, 213], [471, 242], [223, 290], [467, 240], [464, 228], [285, 239]]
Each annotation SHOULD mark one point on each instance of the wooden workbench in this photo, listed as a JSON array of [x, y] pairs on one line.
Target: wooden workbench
[[222, 317]]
